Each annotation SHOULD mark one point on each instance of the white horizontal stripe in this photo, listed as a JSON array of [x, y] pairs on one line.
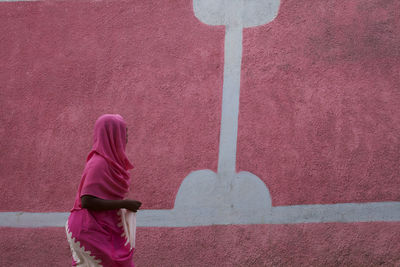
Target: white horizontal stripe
[[348, 212]]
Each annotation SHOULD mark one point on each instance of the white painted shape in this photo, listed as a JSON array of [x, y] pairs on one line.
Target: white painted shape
[[216, 12], [236, 13], [204, 196], [259, 12]]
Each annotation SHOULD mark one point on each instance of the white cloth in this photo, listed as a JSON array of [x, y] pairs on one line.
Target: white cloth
[[129, 224]]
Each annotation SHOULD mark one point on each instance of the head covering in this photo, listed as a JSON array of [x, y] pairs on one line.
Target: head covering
[[106, 173], [109, 140]]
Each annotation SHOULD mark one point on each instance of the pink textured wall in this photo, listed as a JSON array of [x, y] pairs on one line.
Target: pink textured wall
[[66, 63], [329, 244], [318, 122], [319, 119]]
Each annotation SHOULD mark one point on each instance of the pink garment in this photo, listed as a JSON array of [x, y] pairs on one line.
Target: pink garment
[[101, 233]]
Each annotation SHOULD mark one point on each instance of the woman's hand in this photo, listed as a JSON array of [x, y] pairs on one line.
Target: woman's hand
[[132, 205]]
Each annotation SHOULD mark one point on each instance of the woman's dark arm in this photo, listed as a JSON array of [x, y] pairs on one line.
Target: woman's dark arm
[[93, 203]]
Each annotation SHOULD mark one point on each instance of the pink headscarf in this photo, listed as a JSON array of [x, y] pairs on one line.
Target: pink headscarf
[[109, 141], [106, 172]]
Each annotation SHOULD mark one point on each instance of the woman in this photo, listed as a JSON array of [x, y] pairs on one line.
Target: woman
[[94, 228]]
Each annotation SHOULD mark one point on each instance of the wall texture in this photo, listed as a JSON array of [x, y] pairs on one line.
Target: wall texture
[[318, 123]]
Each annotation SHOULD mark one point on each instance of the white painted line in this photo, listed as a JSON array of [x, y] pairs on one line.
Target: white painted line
[[33, 219], [349, 212], [230, 101], [345, 213]]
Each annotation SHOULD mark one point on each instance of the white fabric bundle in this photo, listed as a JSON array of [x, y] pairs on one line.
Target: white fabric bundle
[[129, 224]]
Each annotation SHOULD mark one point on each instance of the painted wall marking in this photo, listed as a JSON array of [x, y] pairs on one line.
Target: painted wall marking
[[349, 212], [227, 197]]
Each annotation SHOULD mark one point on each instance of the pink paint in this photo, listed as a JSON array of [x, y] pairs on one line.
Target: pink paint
[[34, 247], [318, 122], [335, 244], [328, 244], [65, 63], [318, 113], [319, 118]]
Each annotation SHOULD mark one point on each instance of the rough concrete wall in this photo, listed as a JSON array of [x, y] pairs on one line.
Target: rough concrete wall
[[329, 244], [318, 122], [319, 102], [66, 63]]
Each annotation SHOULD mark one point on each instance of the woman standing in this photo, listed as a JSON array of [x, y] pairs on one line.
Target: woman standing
[[94, 228]]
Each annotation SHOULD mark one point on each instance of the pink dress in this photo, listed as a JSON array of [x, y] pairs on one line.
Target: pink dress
[[97, 238]]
